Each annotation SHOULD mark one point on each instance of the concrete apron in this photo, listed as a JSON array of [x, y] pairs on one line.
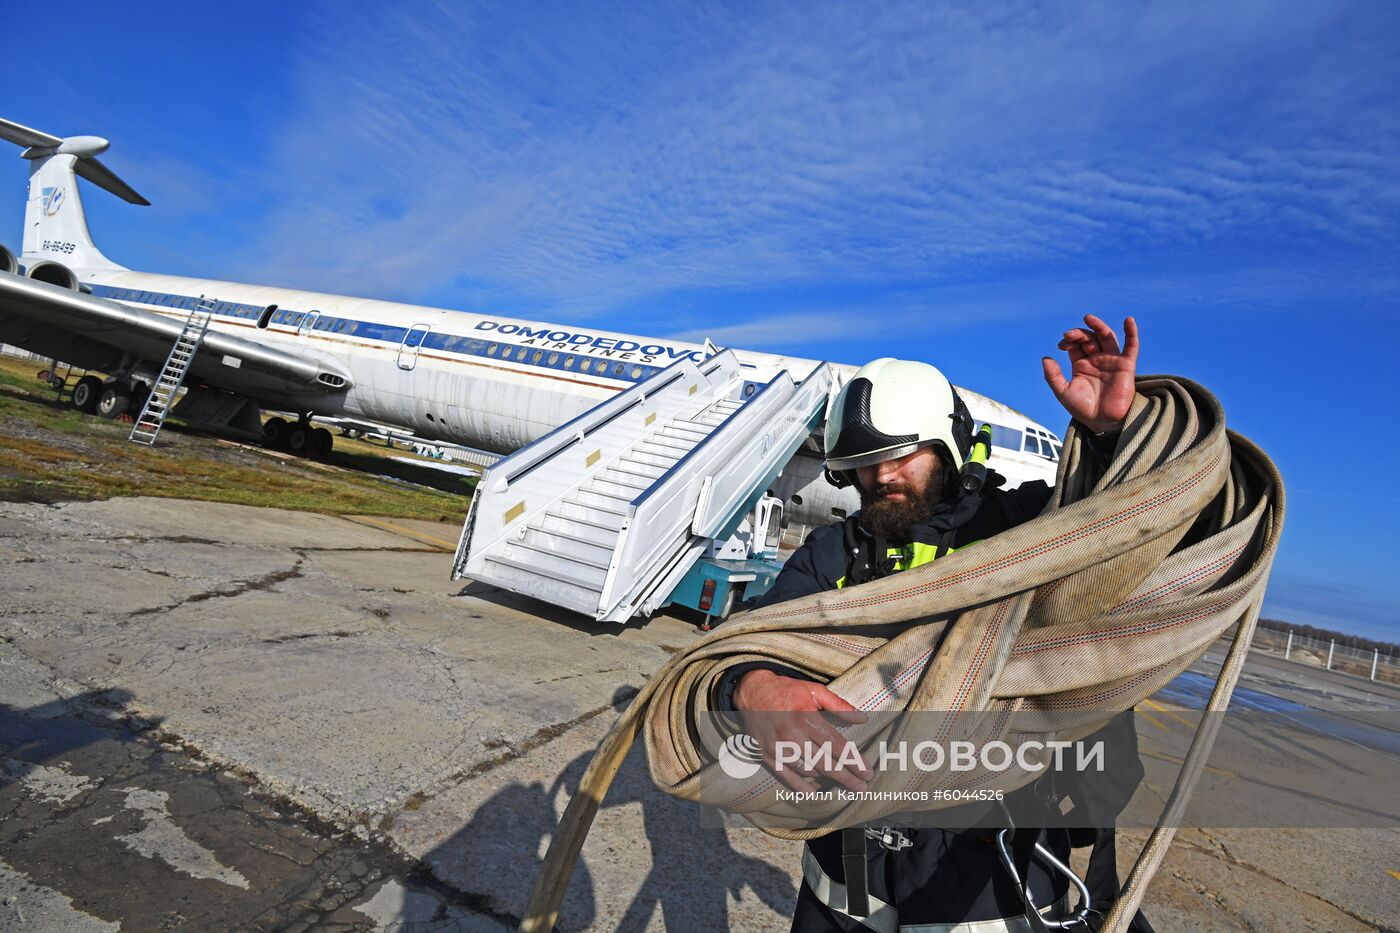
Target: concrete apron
[[333, 663]]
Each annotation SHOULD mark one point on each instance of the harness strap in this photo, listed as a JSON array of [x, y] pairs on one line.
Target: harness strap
[[878, 915], [854, 868]]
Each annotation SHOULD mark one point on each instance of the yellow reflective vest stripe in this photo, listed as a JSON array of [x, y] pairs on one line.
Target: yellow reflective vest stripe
[[914, 554]]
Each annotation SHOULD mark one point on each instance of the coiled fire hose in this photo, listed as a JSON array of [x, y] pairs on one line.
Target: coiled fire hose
[[1132, 571]]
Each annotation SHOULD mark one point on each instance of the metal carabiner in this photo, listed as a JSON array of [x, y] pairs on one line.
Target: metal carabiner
[[1081, 912]]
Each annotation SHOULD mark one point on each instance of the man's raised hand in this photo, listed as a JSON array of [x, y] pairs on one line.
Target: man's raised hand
[[1102, 383]]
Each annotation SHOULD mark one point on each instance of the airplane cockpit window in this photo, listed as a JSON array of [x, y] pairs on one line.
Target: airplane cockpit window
[[266, 317], [1041, 444]]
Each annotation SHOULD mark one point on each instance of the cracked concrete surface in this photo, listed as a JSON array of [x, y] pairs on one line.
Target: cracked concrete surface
[[330, 667]]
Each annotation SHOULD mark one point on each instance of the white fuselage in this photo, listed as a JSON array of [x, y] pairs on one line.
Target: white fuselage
[[492, 382]]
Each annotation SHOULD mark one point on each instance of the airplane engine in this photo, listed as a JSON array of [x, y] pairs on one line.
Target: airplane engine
[[8, 261], [55, 273]]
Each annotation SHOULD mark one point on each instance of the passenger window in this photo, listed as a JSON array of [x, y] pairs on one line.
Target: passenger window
[[266, 317]]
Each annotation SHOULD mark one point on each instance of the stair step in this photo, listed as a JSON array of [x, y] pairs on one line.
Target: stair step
[[570, 547], [617, 498], [523, 579], [630, 473], [684, 429], [555, 566], [636, 459], [661, 446], [579, 529], [624, 491], [570, 510], [600, 503]]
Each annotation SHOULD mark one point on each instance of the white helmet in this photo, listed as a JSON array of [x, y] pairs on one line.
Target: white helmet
[[891, 408]]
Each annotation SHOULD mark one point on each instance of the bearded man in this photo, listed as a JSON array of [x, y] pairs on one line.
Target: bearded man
[[901, 435]]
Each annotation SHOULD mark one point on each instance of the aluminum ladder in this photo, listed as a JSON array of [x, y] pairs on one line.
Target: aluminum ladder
[[606, 514], [172, 374]]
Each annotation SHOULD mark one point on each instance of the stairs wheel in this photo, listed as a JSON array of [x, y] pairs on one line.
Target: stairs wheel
[[321, 442], [86, 393], [114, 400], [274, 432]]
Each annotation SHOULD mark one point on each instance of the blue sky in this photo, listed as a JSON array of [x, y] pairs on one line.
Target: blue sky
[[841, 181]]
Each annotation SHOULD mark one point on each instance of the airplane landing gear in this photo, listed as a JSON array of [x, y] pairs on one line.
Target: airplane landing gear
[[298, 437], [274, 432], [86, 393], [114, 400]]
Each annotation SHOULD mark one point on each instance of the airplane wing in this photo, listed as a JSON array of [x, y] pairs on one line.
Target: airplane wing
[[238, 364]]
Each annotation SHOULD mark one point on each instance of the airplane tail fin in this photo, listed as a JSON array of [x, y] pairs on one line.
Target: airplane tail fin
[[55, 227]]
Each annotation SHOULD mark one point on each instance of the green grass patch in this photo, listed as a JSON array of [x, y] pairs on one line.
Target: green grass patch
[[51, 453]]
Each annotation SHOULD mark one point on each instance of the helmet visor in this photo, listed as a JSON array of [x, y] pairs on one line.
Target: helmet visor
[[875, 456]]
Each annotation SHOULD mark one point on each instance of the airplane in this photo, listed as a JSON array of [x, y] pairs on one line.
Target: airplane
[[485, 381]]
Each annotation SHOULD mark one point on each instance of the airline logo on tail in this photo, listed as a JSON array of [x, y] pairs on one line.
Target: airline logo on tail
[[53, 200]]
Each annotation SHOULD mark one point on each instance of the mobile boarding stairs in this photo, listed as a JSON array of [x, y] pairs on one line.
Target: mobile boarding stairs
[[609, 514]]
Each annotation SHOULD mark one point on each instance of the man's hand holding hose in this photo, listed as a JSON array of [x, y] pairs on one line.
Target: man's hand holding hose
[[785, 709]]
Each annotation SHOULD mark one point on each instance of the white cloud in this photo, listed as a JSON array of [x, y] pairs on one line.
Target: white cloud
[[586, 159]]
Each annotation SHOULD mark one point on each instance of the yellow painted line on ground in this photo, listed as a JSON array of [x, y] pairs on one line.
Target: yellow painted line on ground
[[1162, 709], [1149, 717], [1394, 874], [399, 529]]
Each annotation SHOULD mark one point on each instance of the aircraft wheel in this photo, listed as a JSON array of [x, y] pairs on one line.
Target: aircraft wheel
[[139, 394], [86, 394], [321, 442], [114, 401], [299, 440], [274, 432]]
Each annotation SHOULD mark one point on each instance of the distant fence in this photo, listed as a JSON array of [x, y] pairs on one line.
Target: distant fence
[[17, 353], [1368, 663]]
